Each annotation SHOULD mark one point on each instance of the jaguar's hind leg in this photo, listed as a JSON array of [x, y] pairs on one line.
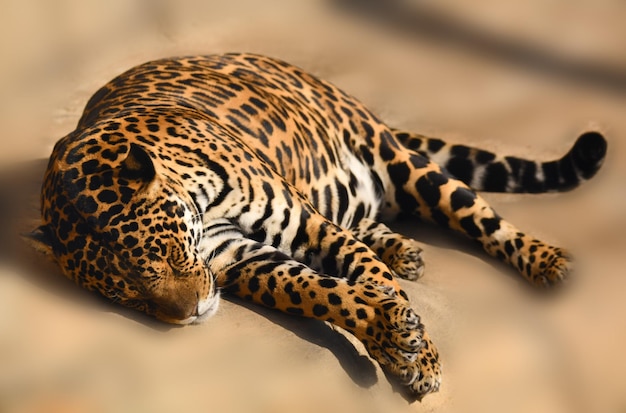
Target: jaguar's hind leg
[[403, 255], [419, 187]]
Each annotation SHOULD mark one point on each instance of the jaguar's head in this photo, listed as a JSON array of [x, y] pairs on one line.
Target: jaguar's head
[[118, 225]]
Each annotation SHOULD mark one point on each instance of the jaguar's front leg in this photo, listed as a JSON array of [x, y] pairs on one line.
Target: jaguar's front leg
[[382, 320], [403, 255]]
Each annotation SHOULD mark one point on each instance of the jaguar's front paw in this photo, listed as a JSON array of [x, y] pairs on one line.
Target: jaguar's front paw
[[428, 379], [393, 331], [420, 372], [406, 261], [397, 340]]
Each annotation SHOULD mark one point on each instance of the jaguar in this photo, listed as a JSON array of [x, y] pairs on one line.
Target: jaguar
[[240, 174]]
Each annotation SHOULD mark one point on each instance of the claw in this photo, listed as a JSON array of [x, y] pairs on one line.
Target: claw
[[412, 319]]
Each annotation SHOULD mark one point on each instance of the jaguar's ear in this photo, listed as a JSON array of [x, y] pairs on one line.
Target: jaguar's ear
[[138, 165], [39, 240]]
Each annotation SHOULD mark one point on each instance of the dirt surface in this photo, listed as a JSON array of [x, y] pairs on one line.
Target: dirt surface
[[522, 81]]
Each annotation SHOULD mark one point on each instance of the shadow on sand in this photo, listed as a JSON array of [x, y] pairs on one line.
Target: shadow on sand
[[417, 20]]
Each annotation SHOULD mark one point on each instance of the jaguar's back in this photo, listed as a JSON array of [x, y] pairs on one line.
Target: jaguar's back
[[305, 129]]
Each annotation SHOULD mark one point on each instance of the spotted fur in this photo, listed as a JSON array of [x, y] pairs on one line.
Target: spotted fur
[[243, 174]]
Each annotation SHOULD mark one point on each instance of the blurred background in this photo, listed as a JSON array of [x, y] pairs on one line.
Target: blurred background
[[520, 78]]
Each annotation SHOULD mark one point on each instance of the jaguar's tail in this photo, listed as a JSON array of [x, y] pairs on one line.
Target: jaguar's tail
[[485, 171]]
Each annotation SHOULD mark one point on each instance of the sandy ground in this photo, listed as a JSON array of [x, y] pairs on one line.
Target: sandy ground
[[503, 347]]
